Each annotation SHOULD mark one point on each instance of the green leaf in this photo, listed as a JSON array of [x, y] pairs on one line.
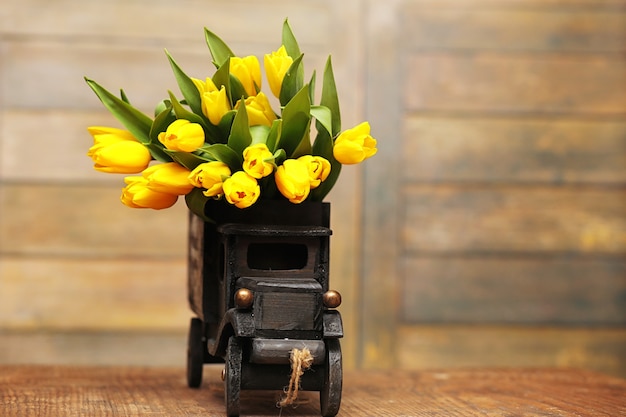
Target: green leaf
[[187, 86], [323, 116], [186, 159], [296, 122], [225, 125], [279, 156], [274, 134], [323, 146], [295, 130], [221, 152], [304, 147], [292, 83], [124, 97], [312, 87], [240, 136], [236, 90], [330, 98], [137, 123], [160, 124], [291, 46], [162, 120], [158, 152], [183, 113], [289, 40], [259, 134], [196, 201], [222, 76], [163, 104], [219, 50]]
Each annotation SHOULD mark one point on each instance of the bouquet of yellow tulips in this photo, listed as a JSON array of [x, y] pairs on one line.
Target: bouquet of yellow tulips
[[224, 140]]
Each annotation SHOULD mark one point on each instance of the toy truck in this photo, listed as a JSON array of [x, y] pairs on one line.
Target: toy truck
[[259, 286]]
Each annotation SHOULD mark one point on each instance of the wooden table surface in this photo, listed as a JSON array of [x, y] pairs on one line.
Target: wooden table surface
[[132, 391]]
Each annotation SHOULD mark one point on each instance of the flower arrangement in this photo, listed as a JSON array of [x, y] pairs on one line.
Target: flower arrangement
[[224, 140]]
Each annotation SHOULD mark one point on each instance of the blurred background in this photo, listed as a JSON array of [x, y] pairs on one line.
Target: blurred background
[[490, 229]]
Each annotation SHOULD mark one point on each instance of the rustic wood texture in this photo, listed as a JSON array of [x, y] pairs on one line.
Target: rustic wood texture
[[96, 391], [514, 150], [501, 289], [108, 294], [94, 347], [503, 199], [529, 84], [461, 346], [514, 219]]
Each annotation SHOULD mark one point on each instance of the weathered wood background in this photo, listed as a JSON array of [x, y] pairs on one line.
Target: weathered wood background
[[489, 230]]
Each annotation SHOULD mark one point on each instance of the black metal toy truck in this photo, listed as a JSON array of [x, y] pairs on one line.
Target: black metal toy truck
[[259, 286]]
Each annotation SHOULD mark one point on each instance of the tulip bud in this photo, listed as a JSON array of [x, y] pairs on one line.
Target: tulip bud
[[318, 168], [215, 105], [248, 72], [204, 86], [259, 110], [254, 161], [117, 151], [292, 180], [182, 135], [169, 178], [136, 194], [354, 145], [210, 175], [241, 190], [276, 65]]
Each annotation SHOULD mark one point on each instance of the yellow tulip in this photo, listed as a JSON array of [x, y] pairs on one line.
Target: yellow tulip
[[241, 189], [354, 145], [170, 178], [318, 168], [117, 151], [137, 194], [292, 180], [276, 65], [210, 175], [182, 135], [215, 105], [254, 161], [204, 86], [248, 72], [259, 110]]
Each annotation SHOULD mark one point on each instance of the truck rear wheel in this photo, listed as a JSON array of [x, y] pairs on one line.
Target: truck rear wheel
[[195, 353]]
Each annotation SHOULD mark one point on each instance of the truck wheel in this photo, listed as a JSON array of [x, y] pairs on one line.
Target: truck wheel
[[232, 376], [330, 395], [195, 353]]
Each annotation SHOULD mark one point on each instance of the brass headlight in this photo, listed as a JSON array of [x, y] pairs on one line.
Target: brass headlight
[[331, 299], [244, 298]]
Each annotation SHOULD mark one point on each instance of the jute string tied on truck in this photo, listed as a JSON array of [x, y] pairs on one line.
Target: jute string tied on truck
[[301, 360]]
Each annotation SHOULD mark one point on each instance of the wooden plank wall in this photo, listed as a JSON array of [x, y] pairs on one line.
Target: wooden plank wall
[[84, 279], [506, 225]]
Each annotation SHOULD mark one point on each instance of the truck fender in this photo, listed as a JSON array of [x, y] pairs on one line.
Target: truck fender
[[234, 323], [333, 326]]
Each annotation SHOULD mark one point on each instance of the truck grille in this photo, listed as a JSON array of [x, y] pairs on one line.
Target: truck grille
[[287, 311]]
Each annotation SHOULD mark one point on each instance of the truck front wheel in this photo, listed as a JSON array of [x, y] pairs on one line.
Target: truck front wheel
[[232, 376], [330, 395]]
